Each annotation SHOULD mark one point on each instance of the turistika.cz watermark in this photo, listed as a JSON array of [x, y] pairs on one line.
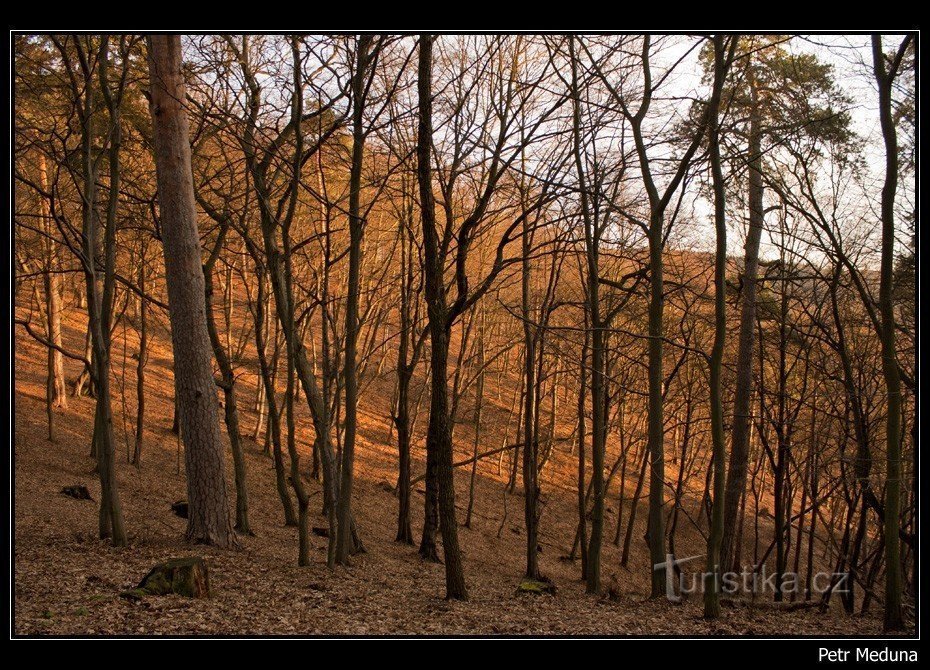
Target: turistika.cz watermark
[[754, 581]]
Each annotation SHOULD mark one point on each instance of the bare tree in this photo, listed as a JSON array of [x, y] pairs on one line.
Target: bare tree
[[439, 432], [723, 56], [885, 71]]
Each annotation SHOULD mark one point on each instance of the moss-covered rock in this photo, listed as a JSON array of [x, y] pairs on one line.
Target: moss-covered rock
[[536, 586], [184, 576]]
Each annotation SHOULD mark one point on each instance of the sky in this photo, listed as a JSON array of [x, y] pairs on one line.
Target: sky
[[851, 57]]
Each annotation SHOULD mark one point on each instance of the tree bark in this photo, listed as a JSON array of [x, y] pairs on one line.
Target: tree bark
[[406, 363], [227, 383], [530, 415], [198, 414], [742, 399], [141, 363], [274, 416], [439, 436], [715, 537], [56, 395], [894, 617], [344, 542]]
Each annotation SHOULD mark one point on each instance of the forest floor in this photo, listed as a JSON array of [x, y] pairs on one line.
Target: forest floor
[[68, 582]]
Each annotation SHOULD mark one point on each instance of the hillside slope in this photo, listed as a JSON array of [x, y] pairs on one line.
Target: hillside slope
[[67, 582]]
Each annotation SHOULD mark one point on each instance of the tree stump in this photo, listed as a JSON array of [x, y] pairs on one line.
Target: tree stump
[[183, 576], [78, 492]]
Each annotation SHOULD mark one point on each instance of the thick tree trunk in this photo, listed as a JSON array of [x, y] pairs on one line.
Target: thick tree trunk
[[198, 414]]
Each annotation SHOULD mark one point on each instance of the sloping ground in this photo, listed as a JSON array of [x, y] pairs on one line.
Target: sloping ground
[[67, 582]]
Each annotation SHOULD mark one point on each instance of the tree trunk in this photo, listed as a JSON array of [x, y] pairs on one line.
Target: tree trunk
[[530, 416], [274, 416], [141, 363], [894, 618], [742, 400], [56, 394], [405, 367], [110, 519], [479, 406], [715, 537], [656, 423], [344, 543], [227, 383], [634, 504], [198, 415], [582, 430], [438, 436], [592, 235], [300, 491]]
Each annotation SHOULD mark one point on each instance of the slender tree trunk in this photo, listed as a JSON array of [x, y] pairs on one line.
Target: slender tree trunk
[[406, 364], [479, 406], [110, 518], [582, 430], [894, 617], [515, 455], [274, 416], [656, 423], [344, 543], [742, 401], [621, 494], [530, 425], [83, 384], [261, 406], [402, 422], [300, 491], [715, 537], [592, 235], [799, 543], [56, 394], [815, 510], [141, 363], [634, 504], [682, 471], [439, 435], [231, 411]]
